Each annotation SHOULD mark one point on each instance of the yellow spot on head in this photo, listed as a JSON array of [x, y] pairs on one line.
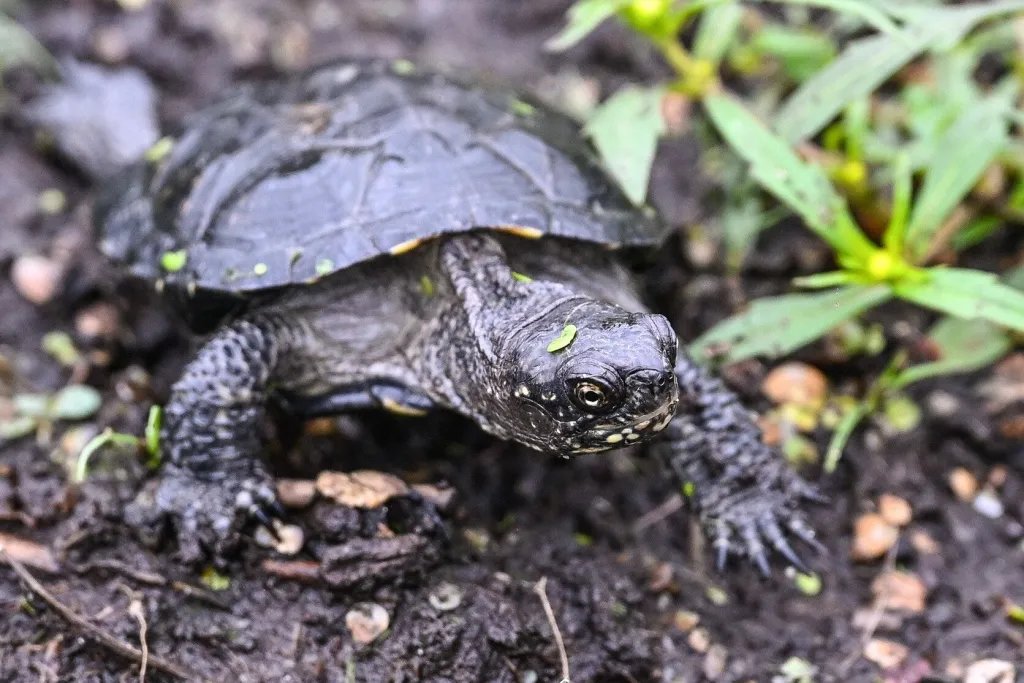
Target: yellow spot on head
[[614, 438], [404, 247], [523, 231], [393, 406]]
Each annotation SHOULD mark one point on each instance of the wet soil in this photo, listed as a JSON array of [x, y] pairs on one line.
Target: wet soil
[[622, 569]]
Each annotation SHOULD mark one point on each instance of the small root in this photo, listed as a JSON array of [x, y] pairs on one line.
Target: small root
[[540, 588]]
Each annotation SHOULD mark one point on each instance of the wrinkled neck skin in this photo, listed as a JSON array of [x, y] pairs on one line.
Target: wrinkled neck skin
[[468, 362]]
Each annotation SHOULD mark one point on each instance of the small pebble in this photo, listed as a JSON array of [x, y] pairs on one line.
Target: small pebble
[[901, 591], [295, 493], [964, 484], [885, 653], [289, 539], [446, 597], [36, 278], [991, 671], [715, 662], [894, 510], [797, 383], [923, 543], [997, 476], [685, 620], [872, 537], [987, 503], [661, 577], [366, 621], [440, 497], [699, 640], [98, 321], [942, 404]]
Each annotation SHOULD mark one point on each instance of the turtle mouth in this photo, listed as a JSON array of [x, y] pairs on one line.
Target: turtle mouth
[[607, 436]]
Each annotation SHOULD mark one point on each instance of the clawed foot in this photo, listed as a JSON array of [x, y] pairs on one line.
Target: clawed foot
[[209, 516], [752, 520]]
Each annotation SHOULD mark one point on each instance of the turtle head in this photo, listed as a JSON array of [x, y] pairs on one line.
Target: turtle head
[[589, 376]]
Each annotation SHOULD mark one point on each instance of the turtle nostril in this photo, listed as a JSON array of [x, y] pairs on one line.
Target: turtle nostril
[[654, 381]]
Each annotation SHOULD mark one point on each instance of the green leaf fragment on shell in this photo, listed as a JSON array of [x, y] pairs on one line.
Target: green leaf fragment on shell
[[403, 67], [521, 277], [324, 266], [563, 340], [173, 261], [522, 108], [260, 269]]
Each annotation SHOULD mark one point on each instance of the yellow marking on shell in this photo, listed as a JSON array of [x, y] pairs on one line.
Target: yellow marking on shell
[[597, 449], [405, 247], [393, 406], [614, 438], [632, 437], [627, 430], [523, 231], [523, 390], [664, 423], [611, 246]]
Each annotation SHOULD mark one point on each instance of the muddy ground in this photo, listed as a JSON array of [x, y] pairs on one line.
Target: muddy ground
[[621, 578]]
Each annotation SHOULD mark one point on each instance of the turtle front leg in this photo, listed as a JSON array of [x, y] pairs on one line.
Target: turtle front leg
[[211, 440], [746, 495]]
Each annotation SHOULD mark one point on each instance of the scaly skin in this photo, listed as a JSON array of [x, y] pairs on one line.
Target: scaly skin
[[488, 334]]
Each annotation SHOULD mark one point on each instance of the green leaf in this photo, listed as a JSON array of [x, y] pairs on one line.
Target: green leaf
[[871, 15], [625, 129], [563, 340], [76, 402], [18, 427], [963, 346], [32, 405], [776, 326], [800, 52], [868, 63], [844, 430], [521, 278], [968, 294], [776, 167], [61, 347], [961, 156], [717, 31], [173, 261], [152, 434], [583, 17]]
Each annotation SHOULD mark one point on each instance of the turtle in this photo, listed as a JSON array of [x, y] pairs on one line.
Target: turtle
[[371, 234]]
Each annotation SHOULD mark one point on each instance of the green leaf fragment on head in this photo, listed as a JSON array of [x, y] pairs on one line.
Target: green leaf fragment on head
[[324, 266], [426, 286], [563, 340], [521, 277], [160, 149], [173, 261]]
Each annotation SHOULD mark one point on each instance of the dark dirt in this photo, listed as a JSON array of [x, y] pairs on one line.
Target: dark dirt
[[517, 516]]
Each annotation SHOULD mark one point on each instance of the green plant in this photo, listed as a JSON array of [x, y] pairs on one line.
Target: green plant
[[950, 133]]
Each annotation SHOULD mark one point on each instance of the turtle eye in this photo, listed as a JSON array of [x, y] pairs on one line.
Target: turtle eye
[[591, 396]]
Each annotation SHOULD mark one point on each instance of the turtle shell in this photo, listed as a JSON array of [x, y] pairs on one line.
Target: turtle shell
[[282, 182]]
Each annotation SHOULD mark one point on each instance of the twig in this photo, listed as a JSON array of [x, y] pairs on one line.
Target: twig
[[663, 511], [135, 610], [96, 633], [540, 588]]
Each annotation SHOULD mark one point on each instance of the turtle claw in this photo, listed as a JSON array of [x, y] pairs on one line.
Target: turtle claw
[[770, 530]]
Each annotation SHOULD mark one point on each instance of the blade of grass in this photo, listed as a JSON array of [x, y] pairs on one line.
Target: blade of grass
[[961, 156], [868, 63], [778, 325], [869, 14], [776, 167], [968, 294], [625, 129]]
